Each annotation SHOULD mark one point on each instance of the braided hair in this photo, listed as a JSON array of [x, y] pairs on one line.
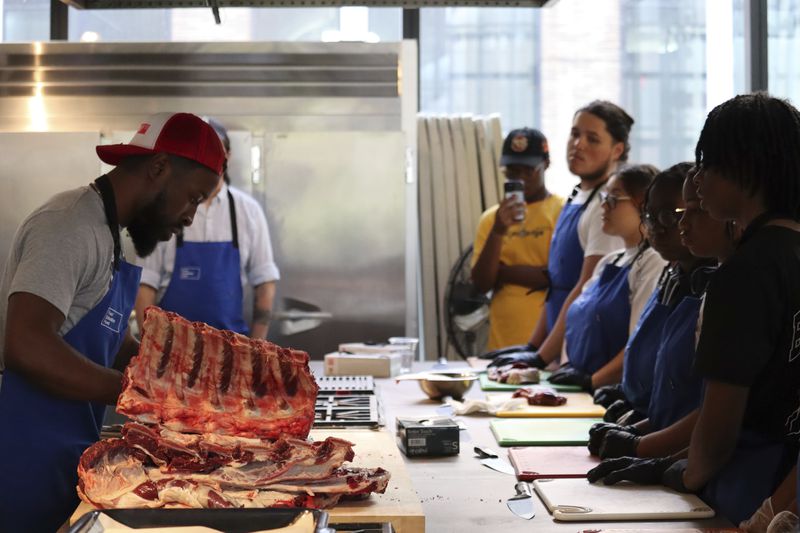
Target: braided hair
[[618, 122], [672, 178], [754, 141]]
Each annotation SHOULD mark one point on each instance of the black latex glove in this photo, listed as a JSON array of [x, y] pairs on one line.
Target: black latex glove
[[598, 432], [616, 410], [528, 358], [508, 350], [608, 394], [673, 476], [641, 471], [619, 444], [567, 375]]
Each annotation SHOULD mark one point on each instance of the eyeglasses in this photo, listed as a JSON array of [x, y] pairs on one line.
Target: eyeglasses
[[612, 200], [666, 218]]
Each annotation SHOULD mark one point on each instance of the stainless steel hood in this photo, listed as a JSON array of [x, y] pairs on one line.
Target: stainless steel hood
[[134, 4]]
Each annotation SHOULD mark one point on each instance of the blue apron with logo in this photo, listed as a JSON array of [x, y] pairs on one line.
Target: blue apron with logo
[[565, 259], [206, 283], [677, 390], [751, 475], [598, 320], [42, 436], [640, 353]]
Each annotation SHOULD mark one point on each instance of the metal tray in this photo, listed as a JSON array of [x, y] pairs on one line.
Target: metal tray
[[225, 520]]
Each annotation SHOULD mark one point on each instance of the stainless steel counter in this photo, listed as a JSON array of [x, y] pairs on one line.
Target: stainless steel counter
[[459, 494]]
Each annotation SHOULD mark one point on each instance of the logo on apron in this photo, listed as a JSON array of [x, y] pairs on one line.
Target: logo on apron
[[190, 273], [112, 320]]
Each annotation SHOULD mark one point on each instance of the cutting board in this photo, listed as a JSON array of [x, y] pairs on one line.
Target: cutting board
[[577, 500], [579, 405], [489, 385], [400, 505], [542, 431], [552, 462]]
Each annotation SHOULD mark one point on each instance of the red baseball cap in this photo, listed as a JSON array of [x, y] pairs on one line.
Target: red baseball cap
[[182, 134]]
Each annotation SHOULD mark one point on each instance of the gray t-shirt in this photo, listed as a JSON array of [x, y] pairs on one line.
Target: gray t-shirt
[[63, 252]]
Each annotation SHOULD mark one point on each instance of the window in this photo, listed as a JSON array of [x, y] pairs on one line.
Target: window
[[24, 20], [783, 31], [238, 24], [664, 61]]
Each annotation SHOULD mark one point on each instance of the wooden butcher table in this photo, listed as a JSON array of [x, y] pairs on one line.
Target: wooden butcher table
[[455, 494]]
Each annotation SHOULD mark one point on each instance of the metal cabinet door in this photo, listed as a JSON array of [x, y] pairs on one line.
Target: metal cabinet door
[[37, 165], [335, 203]]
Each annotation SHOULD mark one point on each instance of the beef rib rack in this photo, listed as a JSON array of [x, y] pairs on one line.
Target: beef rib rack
[[220, 420], [193, 378]]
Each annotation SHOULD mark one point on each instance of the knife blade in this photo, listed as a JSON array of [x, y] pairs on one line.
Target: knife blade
[[521, 504], [490, 459]]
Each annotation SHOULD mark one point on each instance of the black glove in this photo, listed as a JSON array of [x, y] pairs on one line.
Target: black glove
[[528, 358], [598, 432], [616, 410], [609, 394], [567, 375], [619, 444], [509, 350], [641, 471], [673, 476]]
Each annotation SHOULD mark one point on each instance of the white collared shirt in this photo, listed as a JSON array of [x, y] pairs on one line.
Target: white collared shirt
[[212, 224]]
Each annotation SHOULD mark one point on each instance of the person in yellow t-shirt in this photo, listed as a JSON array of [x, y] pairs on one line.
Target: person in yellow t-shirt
[[510, 257]]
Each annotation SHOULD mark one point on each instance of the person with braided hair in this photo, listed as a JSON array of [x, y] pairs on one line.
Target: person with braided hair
[[745, 440]]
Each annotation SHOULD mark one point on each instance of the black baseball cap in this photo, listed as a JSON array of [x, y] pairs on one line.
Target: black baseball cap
[[525, 146]]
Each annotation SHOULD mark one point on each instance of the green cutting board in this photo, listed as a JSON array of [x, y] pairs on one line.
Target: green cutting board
[[542, 431], [489, 385]]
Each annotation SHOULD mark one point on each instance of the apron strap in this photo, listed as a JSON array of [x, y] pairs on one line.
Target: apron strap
[[234, 228], [234, 225], [577, 189], [103, 186]]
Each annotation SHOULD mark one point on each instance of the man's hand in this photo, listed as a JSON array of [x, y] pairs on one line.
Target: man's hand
[[619, 444], [568, 375], [608, 394], [616, 410], [516, 348], [35, 350], [532, 359], [641, 471], [598, 432], [504, 218]]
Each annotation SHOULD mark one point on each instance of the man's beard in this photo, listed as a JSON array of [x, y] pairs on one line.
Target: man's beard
[[149, 226]]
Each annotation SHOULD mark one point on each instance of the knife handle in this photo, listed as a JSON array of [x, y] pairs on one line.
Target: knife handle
[[523, 488]]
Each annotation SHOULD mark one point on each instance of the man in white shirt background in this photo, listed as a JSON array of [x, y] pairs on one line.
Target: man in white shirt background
[[201, 273]]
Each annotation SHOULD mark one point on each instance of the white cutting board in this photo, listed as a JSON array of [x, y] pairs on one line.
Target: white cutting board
[[577, 500]]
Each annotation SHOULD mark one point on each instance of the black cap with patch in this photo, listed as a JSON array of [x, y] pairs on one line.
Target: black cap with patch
[[525, 146]]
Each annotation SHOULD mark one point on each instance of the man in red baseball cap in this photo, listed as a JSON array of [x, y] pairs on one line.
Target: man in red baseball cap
[[65, 298]]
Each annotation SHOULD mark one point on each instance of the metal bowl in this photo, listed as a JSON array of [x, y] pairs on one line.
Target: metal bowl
[[453, 384]]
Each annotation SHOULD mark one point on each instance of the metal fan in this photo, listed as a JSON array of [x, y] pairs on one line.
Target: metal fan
[[466, 310]]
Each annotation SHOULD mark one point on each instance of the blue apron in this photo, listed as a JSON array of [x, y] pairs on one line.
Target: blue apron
[[565, 258], [206, 283], [751, 475], [640, 353], [677, 390], [598, 320], [42, 436]]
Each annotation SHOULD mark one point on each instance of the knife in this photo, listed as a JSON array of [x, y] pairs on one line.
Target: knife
[[490, 459], [521, 504]]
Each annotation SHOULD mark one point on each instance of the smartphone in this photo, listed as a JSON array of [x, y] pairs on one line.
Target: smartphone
[[516, 189]]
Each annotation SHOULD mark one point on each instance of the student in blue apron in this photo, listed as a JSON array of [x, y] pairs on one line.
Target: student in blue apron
[[202, 273], [600, 320], [744, 442], [65, 298], [662, 210], [658, 366], [597, 144]]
